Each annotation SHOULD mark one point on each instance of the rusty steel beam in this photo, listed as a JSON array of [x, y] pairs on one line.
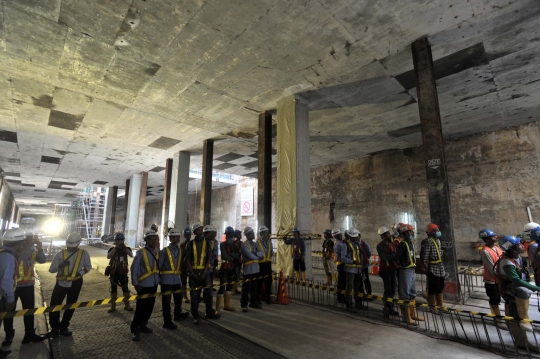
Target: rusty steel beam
[[126, 197], [206, 185], [264, 196], [435, 161], [166, 195], [114, 198]]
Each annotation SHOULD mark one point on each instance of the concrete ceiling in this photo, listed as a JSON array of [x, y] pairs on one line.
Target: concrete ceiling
[[94, 91]]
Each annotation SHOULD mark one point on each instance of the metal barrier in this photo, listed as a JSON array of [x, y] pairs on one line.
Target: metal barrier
[[470, 328]]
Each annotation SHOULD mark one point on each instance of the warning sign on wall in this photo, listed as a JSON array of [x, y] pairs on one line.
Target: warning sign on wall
[[246, 201]]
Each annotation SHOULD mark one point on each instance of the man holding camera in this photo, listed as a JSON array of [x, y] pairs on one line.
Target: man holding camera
[[118, 264]]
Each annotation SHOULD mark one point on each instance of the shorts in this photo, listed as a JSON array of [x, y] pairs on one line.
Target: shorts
[[329, 266], [299, 265]]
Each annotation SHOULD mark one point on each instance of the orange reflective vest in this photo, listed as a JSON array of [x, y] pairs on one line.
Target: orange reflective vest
[[75, 271], [199, 262], [148, 270], [175, 267], [26, 272], [15, 271], [267, 254], [495, 254]]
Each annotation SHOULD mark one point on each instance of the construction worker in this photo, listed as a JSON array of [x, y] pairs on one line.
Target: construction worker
[[433, 264], [514, 288], [531, 247], [490, 254], [230, 253], [198, 256], [366, 255], [154, 228], [70, 264], [184, 274], [170, 267], [328, 256], [210, 234], [119, 269], [387, 268], [406, 258], [342, 280], [395, 241], [265, 263], [238, 243], [13, 243], [251, 255], [351, 256], [31, 252], [298, 252], [145, 279]]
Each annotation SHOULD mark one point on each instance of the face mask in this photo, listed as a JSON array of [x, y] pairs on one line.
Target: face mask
[[411, 237], [438, 234]]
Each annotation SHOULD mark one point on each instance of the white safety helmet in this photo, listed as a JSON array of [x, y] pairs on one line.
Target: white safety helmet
[[73, 240], [13, 235], [248, 230], [195, 226], [174, 232], [263, 229], [149, 234], [336, 231], [353, 233], [382, 230], [209, 228], [29, 234], [528, 228]]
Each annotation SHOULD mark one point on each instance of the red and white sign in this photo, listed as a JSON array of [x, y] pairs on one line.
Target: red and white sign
[[246, 201]]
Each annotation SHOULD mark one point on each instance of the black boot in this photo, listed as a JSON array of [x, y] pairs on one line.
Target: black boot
[[30, 336], [4, 353], [9, 338]]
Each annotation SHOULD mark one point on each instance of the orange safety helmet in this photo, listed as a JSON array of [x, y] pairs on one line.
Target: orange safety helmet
[[430, 227], [404, 227]]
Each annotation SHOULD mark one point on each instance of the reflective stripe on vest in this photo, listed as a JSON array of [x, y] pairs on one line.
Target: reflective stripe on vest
[[495, 255], [15, 271], [26, 273], [412, 260], [356, 256], [267, 257], [251, 261], [75, 271], [149, 271], [175, 268], [439, 259], [201, 261]]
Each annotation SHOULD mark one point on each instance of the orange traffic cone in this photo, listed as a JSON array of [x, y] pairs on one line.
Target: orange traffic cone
[[282, 297]]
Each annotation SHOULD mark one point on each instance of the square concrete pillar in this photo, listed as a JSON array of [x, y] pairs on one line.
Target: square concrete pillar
[[132, 210], [166, 200], [142, 207], [293, 178], [106, 212], [264, 197], [206, 185], [178, 207]]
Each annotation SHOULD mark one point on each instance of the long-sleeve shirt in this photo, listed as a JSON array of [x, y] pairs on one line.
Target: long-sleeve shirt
[[84, 266], [366, 252], [226, 256], [250, 252], [198, 241], [138, 268], [297, 244], [430, 254], [510, 270], [25, 258], [347, 256], [165, 265], [387, 256], [531, 250], [338, 248], [8, 269]]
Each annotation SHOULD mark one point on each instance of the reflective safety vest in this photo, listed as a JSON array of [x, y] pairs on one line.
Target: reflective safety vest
[[26, 272], [149, 271], [337, 258], [250, 261], [495, 254], [75, 271], [225, 264], [267, 256], [15, 271], [356, 255], [296, 247], [199, 262], [412, 259], [175, 268], [439, 259]]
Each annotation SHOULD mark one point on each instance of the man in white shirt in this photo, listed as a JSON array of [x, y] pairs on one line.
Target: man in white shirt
[[70, 265]]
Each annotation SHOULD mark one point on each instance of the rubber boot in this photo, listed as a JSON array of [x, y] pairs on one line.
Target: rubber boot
[[297, 276], [523, 312], [407, 315], [227, 302], [439, 298], [9, 338], [235, 289], [219, 302], [414, 313], [114, 295], [432, 302], [126, 301], [496, 311], [303, 277]]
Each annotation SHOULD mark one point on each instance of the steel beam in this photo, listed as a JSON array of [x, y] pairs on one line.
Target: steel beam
[[114, 198], [166, 199], [264, 197], [126, 198], [435, 161], [206, 186]]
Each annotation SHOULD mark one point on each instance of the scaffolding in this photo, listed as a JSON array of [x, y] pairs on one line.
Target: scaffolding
[[90, 209]]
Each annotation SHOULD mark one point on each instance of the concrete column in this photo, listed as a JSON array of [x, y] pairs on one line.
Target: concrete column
[[264, 197], [142, 207], [132, 209], [166, 199], [114, 197], [95, 219], [126, 197], [106, 213], [206, 185], [178, 208], [437, 179], [293, 177]]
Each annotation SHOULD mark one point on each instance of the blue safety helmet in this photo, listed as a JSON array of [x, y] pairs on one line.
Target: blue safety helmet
[[237, 232], [187, 231], [328, 231], [119, 236], [535, 234], [296, 230], [229, 229], [507, 242], [485, 233]]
